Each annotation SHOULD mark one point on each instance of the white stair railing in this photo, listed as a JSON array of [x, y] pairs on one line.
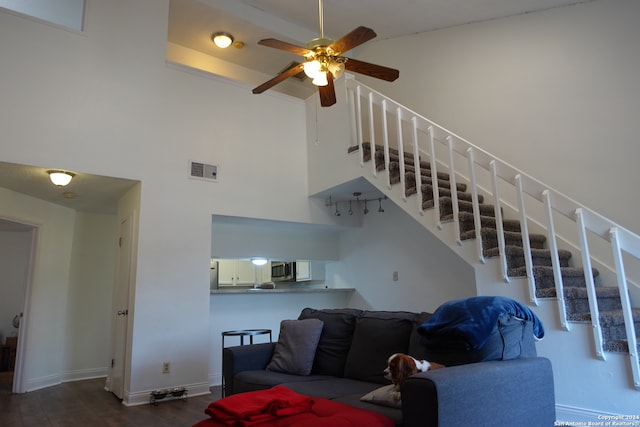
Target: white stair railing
[[428, 137]]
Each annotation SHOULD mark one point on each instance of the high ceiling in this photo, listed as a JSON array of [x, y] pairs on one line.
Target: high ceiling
[[192, 22]]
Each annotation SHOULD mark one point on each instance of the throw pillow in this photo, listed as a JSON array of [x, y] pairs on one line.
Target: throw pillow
[[378, 334], [296, 346], [385, 396], [335, 339]]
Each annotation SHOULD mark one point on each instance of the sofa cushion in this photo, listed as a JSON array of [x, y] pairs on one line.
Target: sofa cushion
[[377, 335], [331, 388], [335, 340], [296, 346], [416, 349], [262, 379]]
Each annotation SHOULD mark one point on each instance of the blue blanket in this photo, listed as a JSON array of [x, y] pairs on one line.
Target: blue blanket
[[468, 323]]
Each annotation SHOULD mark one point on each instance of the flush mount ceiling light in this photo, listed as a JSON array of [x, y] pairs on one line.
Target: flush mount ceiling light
[[60, 178], [259, 261], [222, 40]]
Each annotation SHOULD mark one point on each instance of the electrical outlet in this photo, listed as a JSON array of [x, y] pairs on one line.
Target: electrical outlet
[[166, 367], [395, 276]]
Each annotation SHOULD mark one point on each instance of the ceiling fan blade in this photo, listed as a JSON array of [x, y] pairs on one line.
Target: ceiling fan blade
[[279, 44], [353, 39], [372, 70], [327, 93], [292, 71]]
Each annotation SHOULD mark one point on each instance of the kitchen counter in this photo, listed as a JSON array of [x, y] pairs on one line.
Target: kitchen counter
[[279, 291]]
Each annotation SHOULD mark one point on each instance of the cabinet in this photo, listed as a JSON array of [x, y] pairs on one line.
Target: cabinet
[[263, 273], [309, 270], [234, 272]]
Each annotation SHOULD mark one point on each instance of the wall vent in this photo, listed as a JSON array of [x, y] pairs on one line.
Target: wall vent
[[203, 171]]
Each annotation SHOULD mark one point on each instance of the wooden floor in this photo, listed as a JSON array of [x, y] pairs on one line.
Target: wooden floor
[[86, 403]]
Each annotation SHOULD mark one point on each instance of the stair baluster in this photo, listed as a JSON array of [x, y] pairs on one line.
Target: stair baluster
[[591, 287], [454, 192], [499, 224], [626, 307], [555, 261]]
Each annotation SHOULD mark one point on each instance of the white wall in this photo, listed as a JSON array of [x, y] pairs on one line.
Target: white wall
[[429, 273], [553, 93], [106, 103], [15, 247], [45, 331]]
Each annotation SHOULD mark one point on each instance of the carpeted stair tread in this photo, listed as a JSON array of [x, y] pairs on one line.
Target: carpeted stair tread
[[427, 193], [571, 276], [425, 171], [394, 155], [611, 318], [409, 174], [511, 238], [515, 256], [614, 332], [445, 184], [446, 207], [467, 222], [575, 291], [366, 146], [618, 346]]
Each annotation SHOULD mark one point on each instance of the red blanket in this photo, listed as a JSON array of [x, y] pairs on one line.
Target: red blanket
[[247, 409]]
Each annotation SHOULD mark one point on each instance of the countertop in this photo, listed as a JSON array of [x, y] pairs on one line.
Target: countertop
[[279, 291]]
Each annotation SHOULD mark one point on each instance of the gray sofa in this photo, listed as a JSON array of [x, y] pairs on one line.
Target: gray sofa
[[503, 383]]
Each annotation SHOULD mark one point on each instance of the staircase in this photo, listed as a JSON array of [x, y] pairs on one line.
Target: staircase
[[510, 225], [575, 287]]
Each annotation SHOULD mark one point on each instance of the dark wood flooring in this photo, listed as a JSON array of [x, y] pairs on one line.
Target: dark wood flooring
[[86, 403]]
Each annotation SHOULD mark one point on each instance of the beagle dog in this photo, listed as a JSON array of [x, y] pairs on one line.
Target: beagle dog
[[401, 366]]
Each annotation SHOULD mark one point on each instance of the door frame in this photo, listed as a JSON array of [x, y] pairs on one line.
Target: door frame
[[18, 385]]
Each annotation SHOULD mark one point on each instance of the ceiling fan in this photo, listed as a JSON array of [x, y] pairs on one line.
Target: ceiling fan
[[324, 61]]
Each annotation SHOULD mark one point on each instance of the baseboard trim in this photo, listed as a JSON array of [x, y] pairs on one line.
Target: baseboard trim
[[84, 374], [142, 397], [42, 382]]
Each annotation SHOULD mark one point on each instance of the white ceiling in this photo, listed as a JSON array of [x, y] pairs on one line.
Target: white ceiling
[[191, 23], [85, 192]]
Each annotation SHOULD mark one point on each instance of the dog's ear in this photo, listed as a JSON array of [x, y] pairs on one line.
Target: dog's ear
[[407, 367]]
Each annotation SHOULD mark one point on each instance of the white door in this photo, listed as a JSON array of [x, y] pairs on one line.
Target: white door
[[120, 307]]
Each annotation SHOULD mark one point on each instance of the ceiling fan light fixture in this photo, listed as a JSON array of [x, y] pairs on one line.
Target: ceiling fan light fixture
[[312, 68], [222, 40], [60, 178], [337, 69], [320, 79]]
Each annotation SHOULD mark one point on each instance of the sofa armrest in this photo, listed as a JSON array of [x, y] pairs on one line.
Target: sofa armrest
[[252, 357], [496, 393]]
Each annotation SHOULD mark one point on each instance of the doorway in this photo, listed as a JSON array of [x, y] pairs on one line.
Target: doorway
[[17, 246]]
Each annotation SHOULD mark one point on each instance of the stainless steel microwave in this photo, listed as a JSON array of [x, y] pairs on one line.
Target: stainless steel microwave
[[283, 271]]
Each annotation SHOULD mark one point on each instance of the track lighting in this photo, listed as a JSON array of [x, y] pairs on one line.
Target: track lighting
[[357, 200]]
